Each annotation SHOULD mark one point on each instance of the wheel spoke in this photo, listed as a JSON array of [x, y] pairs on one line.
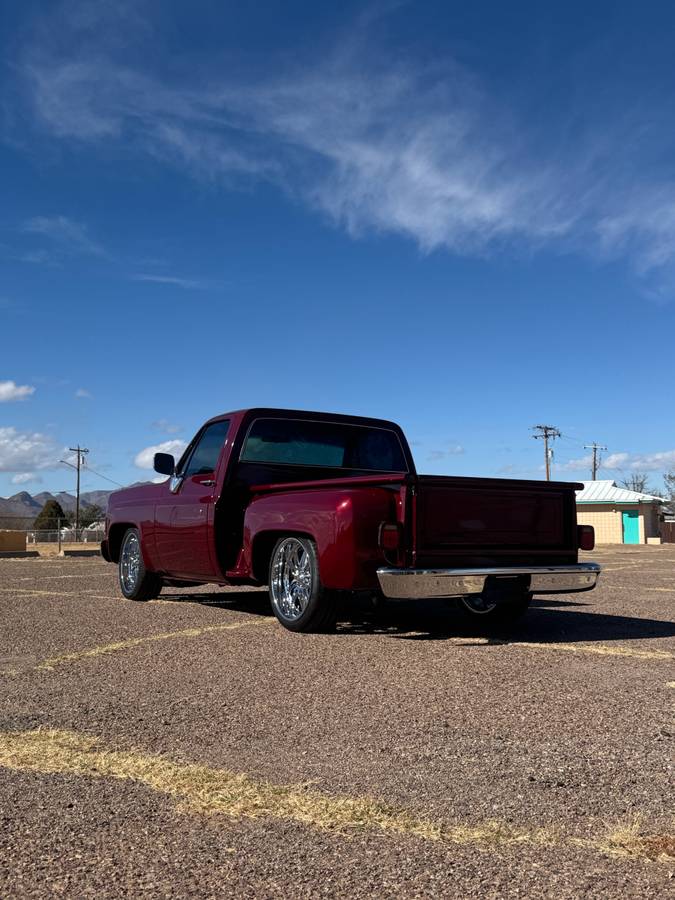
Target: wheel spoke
[[291, 581], [130, 563]]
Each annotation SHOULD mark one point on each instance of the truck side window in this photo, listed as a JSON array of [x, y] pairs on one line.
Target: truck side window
[[204, 457]]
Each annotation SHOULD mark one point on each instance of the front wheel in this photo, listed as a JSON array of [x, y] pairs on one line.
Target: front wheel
[[136, 582], [299, 600]]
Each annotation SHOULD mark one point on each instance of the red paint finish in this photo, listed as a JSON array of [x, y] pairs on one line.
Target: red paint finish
[[183, 526], [225, 531], [133, 507], [344, 524], [362, 480], [487, 521]]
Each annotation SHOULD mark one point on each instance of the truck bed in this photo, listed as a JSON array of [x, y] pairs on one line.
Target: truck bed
[[460, 521]]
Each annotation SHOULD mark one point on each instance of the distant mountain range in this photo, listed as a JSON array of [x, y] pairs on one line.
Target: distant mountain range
[[22, 508]]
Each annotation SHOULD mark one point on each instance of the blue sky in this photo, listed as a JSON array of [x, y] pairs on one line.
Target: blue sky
[[458, 216]]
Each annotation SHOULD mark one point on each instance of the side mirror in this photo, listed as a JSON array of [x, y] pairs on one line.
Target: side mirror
[[164, 463]]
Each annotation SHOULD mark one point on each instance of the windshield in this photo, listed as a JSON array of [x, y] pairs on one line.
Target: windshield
[[324, 444]]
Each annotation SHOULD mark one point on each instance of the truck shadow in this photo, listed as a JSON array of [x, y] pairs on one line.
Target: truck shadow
[[255, 602], [547, 621]]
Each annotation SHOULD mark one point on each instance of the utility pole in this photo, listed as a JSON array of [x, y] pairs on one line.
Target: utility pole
[[596, 458], [80, 451], [547, 433]]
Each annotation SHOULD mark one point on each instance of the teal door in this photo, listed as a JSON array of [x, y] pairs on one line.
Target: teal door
[[631, 526]]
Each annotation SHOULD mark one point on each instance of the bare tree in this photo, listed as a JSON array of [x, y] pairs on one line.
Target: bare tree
[[636, 481], [669, 479]]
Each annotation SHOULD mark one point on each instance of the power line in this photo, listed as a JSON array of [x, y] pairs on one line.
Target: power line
[[105, 477], [546, 433], [597, 459], [566, 437]]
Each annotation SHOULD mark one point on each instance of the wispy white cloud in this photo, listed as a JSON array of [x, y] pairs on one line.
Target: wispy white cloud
[[399, 150], [510, 470], [172, 280], [83, 394], [376, 144], [69, 236], [166, 426], [10, 391], [641, 462], [583, 463], [38, 257], [445, 452], [22, 451], [618, 462], [145, 457], [26, 478]]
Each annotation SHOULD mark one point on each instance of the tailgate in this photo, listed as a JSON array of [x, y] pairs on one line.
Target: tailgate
[[488, 521]]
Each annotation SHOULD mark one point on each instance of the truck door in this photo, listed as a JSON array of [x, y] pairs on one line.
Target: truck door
[[184, 513]]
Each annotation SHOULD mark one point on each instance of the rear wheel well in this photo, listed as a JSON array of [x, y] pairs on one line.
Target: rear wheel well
[[115, 536], [263, 545]]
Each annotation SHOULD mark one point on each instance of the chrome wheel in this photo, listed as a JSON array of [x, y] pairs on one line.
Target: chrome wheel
[[478, 604], [130, 563], [291, 579]]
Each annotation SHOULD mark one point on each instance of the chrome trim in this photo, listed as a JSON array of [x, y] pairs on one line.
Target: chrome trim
[[130, 563], [174, 483], [291, 579], [403, 584]]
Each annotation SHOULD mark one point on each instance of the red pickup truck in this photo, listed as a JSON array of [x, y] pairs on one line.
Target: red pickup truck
[[315, 505]]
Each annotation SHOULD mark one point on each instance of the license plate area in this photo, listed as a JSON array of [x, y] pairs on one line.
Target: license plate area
[[507, 584]]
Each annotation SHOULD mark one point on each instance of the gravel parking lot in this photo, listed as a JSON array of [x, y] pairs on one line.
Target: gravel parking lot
[[191, 746]]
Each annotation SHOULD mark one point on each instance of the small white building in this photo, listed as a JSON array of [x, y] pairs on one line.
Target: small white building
[[619, 516]]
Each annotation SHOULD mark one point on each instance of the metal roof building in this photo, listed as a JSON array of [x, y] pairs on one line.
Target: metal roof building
[[608, 492], [619, 515]]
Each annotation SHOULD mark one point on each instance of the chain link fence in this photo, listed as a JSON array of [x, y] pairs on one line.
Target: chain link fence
[[66, 536], [64, 533]]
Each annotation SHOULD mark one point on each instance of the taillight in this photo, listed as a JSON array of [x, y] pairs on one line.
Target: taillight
[[586, 537], [390, 536]]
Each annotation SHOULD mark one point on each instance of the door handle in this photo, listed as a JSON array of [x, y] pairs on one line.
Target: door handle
[[208, 483]]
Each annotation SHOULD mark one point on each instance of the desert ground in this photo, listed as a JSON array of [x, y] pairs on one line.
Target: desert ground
[[192, 746]]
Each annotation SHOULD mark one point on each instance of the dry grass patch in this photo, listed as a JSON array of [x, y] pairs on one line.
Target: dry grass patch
[[600, 650], [207, 791], [38, 593], [218, 792], [629, 839], [117, 646]]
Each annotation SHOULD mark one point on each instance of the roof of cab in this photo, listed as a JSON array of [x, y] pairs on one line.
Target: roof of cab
[[276, 412]]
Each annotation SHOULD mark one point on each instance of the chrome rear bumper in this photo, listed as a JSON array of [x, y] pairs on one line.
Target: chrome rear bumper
[[400, 584]]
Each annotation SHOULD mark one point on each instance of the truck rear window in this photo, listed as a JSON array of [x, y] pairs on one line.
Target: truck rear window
[[324, 444]]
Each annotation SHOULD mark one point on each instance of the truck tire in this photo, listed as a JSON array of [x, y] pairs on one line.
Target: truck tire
[[299, 600], [136, 582]]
